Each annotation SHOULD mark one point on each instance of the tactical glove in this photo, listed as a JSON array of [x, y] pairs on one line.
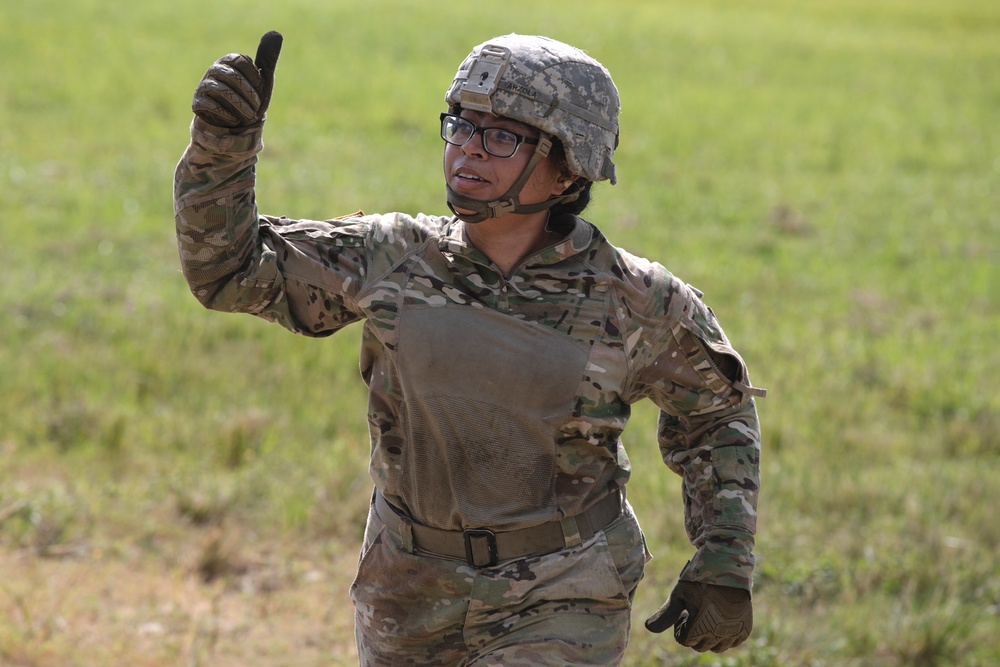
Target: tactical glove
[[236, 92], [705, 617]]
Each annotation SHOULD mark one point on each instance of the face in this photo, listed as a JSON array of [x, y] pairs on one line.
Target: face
[[472, 172]]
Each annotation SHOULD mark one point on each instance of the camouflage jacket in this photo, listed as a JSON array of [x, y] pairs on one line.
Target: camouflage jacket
[[493, 401]]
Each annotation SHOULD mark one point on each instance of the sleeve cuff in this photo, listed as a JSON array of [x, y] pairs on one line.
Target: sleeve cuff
[[729, 563], [227, 139]]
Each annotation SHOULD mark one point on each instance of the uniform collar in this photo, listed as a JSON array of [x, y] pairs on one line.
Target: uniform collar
[[578, 234]]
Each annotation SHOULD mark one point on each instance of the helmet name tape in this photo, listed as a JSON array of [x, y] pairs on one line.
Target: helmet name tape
[[520, 89], [484, 77]]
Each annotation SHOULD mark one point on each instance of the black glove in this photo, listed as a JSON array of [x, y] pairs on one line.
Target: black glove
[[236, 92], [705, 617]]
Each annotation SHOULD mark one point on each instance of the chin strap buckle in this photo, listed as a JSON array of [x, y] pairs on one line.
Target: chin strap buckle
[[499, 208]]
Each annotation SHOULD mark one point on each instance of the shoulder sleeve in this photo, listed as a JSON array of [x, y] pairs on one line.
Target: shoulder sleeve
[[708, 430]]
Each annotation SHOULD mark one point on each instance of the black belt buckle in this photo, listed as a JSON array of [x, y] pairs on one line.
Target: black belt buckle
[[472, 549]]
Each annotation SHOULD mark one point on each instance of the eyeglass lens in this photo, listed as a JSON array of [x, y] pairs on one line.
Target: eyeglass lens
[[496, 140]]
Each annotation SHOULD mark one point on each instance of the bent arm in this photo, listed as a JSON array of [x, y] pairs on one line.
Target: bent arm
[[233, 259], [708, 433]]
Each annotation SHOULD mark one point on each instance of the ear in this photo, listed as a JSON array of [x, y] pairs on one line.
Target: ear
[[563, 183]]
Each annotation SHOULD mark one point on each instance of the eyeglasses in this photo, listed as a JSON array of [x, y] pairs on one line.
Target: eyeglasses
[[497, 141]]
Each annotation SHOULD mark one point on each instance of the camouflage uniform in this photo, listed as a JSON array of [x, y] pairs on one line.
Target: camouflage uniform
[[494, 401], [571, 607]]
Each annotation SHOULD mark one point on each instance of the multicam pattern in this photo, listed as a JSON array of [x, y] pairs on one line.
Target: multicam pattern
[[567, 608], [625, 326]]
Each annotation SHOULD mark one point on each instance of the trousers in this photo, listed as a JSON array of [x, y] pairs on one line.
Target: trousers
[[570, 607]]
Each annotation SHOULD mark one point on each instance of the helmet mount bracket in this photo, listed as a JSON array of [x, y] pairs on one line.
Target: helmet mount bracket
[[484, 77]]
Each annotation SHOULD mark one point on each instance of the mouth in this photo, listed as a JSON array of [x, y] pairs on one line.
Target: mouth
[[468, 178]]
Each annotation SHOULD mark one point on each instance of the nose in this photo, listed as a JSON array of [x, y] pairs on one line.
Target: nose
[[475, 145]]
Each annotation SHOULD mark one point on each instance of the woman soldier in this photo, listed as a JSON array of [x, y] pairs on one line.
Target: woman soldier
[[502, 349]]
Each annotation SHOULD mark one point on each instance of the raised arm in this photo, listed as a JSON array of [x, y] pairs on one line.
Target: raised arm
[[234, 259]]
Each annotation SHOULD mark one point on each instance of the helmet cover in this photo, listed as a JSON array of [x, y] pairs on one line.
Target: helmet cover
[[548, 85]]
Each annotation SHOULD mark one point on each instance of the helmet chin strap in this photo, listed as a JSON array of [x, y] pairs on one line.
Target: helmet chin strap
[[509, 202]]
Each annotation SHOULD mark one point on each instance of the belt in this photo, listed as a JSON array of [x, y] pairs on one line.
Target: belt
[[480, 547]]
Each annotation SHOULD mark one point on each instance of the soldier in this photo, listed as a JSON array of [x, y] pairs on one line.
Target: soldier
[[502, 348]]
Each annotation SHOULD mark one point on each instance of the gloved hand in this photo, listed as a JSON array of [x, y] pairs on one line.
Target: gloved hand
[[705, 617], [236, 92]]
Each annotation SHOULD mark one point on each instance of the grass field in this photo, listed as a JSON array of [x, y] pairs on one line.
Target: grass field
[[179, 487]]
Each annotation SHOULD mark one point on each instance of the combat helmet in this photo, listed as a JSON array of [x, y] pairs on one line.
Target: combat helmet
[[548, 85]]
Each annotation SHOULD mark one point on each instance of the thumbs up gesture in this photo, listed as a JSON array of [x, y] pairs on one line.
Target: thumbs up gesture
[[235, 91]]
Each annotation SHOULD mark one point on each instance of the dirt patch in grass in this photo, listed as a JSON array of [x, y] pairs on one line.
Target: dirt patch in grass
[[270, 605]]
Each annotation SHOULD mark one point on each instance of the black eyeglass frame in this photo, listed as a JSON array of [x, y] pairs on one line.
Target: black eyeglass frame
[[476, 129]]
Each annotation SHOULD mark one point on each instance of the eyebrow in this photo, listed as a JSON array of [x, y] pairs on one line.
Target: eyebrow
[[509, 123]]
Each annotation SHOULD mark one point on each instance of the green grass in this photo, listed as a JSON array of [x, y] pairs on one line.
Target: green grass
[[827, 172]]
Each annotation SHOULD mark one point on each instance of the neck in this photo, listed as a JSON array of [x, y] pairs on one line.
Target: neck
[[508, 240]]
